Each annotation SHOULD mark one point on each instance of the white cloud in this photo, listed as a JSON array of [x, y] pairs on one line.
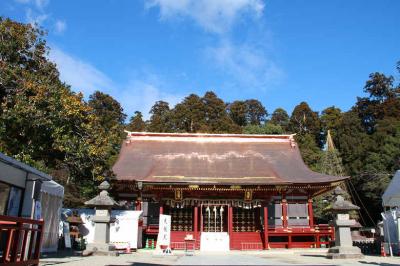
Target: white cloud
[[82, 76], [138, 94], [35, 14], [213, 15], [23, 1], [60, 26], [35, 18], [244, 64], [40, 4]]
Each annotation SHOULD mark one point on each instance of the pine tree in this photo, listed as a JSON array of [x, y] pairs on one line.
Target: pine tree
[[160, 120], [136, 123], [280, 117]]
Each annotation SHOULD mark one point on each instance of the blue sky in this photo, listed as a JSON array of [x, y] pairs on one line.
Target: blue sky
[[280, 52]]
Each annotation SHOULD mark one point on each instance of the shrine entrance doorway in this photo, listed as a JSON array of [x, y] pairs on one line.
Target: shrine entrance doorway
[[214, 227]]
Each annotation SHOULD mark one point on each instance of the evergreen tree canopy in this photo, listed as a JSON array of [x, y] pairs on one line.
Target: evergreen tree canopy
[[136, 123], [109, 111], [160, 120], [280, 117], [238, 112], [383, 100], [248, 112], [190, 115], [331, 119], [267, 128], [216, 117], [304, 121], [255, 112]]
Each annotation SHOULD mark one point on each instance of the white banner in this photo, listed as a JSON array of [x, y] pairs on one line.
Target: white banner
[[164, 230]]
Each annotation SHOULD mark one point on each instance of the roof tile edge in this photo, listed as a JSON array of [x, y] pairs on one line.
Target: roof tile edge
[[206, 137], [230, 135]]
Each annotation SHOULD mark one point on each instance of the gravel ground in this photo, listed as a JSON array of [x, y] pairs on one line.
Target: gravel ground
[[274, 257]]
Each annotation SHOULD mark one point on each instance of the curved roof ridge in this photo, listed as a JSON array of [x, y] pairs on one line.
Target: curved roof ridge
[[206, 137], [214, 158], [217, 135]]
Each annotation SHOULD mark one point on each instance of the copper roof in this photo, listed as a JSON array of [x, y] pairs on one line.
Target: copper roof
[[214, 159]]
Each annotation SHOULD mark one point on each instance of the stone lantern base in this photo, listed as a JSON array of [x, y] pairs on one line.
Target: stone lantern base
[[100, 249], [345, 253], [103, 204]]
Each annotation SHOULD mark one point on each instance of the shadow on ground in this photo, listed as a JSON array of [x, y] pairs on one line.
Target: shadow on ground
[[151, 264], [313, 255], [379, 263], [61, 254], [140, 264], [72, 255]]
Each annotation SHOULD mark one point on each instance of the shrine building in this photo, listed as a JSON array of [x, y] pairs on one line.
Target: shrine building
[[229, 191]]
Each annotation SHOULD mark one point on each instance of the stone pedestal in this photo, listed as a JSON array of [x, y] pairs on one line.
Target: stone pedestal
[[102, 219], [344, 248], [345, 253]]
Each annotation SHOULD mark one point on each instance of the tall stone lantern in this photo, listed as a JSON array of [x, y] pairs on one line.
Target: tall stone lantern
[[343, 248], [103, 204]]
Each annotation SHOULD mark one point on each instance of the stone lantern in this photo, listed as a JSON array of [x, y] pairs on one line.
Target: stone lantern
[[103, 204], [344, 248]]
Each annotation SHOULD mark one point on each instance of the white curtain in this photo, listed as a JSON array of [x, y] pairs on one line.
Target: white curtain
[[298, 214], [51, 211], [275, 215]]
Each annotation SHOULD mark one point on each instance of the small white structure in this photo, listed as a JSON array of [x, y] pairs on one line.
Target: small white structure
[[391, 196], [391, 215]]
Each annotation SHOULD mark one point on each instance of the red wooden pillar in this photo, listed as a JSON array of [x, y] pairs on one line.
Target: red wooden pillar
[[138, 204], [310, 213], [230, 225], [195, 223], [266, 243], [161, 209], [318, 244], [284, 212], [201, 218]]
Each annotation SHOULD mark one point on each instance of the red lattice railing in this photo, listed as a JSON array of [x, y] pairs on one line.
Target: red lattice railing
[[20, 240], [251, 246]]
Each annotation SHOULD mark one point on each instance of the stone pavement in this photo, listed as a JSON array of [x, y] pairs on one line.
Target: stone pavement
[[272, 257]]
